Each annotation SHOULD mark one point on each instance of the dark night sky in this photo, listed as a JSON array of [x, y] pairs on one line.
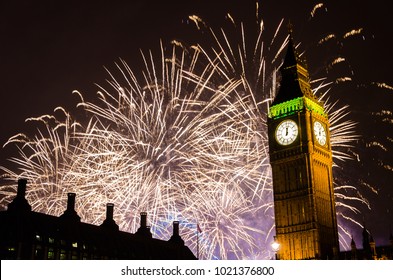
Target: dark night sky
[[49, 48]]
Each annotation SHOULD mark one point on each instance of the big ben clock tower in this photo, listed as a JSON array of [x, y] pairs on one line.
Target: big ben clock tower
[[301, 161]]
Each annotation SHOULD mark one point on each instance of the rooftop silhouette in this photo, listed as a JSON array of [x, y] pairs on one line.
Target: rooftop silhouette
[[26, 234]]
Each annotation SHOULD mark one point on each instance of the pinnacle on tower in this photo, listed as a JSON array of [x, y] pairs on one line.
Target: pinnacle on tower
[[295, 80]]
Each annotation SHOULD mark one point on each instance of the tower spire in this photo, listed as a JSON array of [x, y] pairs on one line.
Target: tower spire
[[295, 80], [290, 28]]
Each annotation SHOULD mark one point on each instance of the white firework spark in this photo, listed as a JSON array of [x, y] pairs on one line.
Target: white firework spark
[[172, 144], [255, 65], [184, 145], [183, 139]]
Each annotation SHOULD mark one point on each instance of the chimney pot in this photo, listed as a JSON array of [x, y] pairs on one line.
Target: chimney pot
[[71, 201], [176, 238], [70, 213], [20, 203], [21, 192], [144, 230], [109, 211], [109, 223], [143, 219], [176, 228]]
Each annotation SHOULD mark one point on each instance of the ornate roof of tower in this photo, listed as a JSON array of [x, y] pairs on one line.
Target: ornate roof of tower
[[295, 80]]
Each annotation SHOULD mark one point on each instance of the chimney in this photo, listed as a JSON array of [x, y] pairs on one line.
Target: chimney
[[109, 211], [20, 203], [175, 238], [21, 192], [71, 202], [144, 230], [143, 220], [70, 213], [109, 223], [176, 228]]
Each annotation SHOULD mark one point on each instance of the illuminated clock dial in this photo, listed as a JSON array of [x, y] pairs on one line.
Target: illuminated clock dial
[[320, 133], [286, 132]]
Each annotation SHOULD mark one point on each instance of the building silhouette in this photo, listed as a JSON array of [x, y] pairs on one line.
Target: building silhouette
[[301, 161], [26, 234], [369, 251]]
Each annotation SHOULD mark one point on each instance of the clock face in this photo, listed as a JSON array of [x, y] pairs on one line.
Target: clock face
[[320, 133], [286, 132]]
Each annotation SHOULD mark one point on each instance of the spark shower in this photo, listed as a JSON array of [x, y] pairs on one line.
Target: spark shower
[[184, 138]]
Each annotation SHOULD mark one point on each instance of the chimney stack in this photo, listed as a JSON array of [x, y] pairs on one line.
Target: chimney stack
[[175, 238], [143, 219], [21, 192], [71, 202], [109, 223], [176, 228], [144, 230], [70, 213], [109, 211], [20, 203]]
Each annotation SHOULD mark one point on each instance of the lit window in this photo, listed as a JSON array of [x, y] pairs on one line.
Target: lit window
[[38, 237], [51, 254], [51, 240], [62, 254], [75, 244]]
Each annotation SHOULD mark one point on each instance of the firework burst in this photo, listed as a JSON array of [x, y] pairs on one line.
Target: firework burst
[[183, 139], [171, 143], [254, 60]]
